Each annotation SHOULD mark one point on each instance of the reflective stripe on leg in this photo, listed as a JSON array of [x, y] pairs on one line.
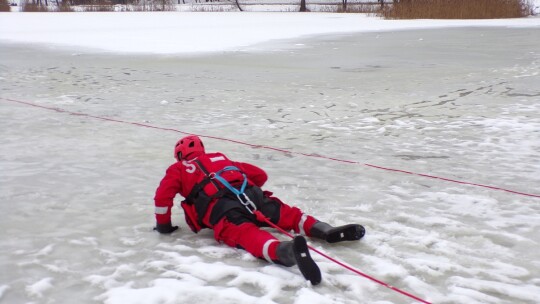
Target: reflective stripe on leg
[[303, 220], [265, 252], [161, 210]]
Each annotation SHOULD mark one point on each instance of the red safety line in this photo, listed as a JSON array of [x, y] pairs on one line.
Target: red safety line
[[453, 180], [261, 217], [275, 149]]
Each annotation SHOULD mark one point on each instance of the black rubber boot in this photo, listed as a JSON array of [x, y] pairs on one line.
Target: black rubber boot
[[285, 254], [351, 232], [296, 252]]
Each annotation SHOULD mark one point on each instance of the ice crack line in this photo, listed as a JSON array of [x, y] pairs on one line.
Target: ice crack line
[[313, 155]]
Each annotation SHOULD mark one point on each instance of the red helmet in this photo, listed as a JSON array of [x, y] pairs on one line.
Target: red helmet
[[188, 147]]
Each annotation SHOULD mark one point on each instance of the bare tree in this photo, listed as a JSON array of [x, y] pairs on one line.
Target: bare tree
[[303, 6], [238, 5]]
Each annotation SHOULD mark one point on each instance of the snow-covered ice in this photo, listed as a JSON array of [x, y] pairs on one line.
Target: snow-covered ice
[[172, 32], [457, 99]]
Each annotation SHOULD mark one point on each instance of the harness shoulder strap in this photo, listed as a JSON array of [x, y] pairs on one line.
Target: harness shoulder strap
[[206, 173], [200, 186]]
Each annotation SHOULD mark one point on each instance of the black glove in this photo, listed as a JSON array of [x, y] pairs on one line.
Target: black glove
[[165, 228]]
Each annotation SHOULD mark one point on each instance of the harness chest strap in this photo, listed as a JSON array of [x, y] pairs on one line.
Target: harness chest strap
[[240, 193], [201, 200]]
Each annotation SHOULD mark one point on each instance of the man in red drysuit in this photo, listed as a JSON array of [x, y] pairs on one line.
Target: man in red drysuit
[[223, 195]]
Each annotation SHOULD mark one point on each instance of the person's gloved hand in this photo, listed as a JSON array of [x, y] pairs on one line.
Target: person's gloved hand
[[165, 228]]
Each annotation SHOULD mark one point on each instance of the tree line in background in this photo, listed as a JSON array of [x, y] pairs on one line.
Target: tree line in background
[[91, 5], [389, 9]]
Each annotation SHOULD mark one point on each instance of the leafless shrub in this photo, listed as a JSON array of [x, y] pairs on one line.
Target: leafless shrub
[[222, 6], [64, 6], [364, 8], [359, 8], [93, 5], [4, 6], [33, 6], [147, 5]]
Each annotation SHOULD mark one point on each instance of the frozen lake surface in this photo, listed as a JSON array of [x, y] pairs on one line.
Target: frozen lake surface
[[76, 193]]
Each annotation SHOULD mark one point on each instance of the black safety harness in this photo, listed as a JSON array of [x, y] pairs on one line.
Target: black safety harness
[[201, 200]]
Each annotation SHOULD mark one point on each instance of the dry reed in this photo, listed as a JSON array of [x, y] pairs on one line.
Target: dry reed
[[457, 9]]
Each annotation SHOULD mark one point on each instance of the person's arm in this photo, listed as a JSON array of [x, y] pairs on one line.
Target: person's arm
[[164, 199], [254, 173]]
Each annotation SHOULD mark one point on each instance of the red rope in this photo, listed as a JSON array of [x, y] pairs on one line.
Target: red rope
[[453, 180], [263, 218], [275, 149]]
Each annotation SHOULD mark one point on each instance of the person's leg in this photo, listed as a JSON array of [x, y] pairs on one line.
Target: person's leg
[[292, 218], [287, 217], [235, 231], [248, 236]]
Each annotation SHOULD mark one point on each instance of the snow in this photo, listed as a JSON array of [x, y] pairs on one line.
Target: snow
[[37, 289], [76, 192], [3, 289], [173, 32]]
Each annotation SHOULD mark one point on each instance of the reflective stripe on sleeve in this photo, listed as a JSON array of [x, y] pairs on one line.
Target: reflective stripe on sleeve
[[217, 158], [265, 253], [162, 210]]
